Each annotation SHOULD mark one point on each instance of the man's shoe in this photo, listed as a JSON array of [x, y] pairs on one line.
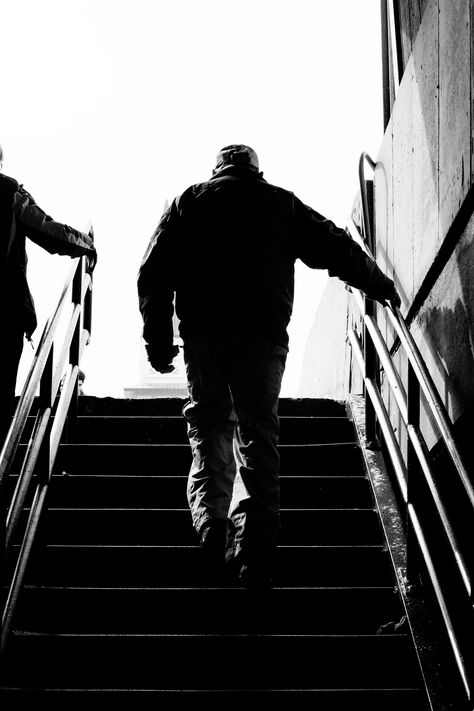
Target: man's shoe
[[213, 539], [255, 579]]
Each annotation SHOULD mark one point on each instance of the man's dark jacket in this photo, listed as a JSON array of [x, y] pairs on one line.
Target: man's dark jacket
[[226, 248], [21, 217]]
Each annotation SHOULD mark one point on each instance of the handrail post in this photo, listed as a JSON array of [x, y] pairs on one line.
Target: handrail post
[[371, 373], [413, 476], [372, 369], [46, 403], [87, 313], [74, 350]]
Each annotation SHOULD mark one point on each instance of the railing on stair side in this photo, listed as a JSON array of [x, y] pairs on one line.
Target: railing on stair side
[[414, 473], [52, 383]]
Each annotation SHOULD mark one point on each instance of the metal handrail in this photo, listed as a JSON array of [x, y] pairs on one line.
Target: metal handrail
[[435, 404], [420, 451], [47, 431]]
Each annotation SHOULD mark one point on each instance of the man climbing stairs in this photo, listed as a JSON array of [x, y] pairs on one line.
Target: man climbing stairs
[[117, 605]]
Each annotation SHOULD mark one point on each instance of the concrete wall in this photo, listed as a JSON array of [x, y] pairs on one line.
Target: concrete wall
[[326, 362], [425, 170]]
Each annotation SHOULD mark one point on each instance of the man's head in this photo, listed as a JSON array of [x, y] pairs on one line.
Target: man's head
[[237, 154]]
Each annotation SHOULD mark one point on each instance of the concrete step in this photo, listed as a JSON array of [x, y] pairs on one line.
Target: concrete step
[[140, 429], [389, 699], [208, 661], [167, 459], [155, 526], [90, 405], [182, 566], [116, 491], [221, 611]]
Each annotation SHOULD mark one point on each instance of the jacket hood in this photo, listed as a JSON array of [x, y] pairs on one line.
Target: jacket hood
[[238, 171]]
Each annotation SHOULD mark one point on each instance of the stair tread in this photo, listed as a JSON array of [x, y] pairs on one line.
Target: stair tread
[[89, 404], [137, 609], [174, 525], [172, 565], [143, 458], [149, 429], [388, 698]]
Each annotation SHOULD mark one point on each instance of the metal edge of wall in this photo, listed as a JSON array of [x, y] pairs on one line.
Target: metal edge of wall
[[442, 686]]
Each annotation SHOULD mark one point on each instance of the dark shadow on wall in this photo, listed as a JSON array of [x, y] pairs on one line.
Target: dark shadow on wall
[[449, 330], [451, 333]]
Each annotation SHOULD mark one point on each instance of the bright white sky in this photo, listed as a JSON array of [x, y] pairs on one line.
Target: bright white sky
[[111, 107]]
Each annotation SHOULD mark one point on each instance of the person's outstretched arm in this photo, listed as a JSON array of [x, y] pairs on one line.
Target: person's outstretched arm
[[323, 245], [156, 292], [55, 237]]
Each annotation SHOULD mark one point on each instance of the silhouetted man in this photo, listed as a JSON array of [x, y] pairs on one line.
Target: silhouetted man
[[225, 252], [20, 217]]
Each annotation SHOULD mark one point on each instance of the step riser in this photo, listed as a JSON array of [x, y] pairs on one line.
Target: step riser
[[334, 700], [162, 460], [311, 407], [144, 430], [346, 611], [122, 491], [204, 662], [174, 527], [170, 567]]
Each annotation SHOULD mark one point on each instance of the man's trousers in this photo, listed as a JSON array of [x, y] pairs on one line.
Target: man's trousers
[[233, 430]]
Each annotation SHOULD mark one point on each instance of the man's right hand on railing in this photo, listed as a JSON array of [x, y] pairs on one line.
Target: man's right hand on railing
[[392, 297], [92, 257], [91, 261], [395, 301]]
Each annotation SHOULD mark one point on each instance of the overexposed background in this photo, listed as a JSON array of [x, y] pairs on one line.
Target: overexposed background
[[109, 108]]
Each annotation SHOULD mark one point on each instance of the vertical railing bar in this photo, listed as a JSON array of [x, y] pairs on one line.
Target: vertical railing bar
[[25, 476], [46, 403], [74, 353], [20, 568], [440, 597], [366, 226], [370, 370], [435, 404], [70, 382], [87, 310], [422, 456], [64, 357], [392, 444], [370, 355]]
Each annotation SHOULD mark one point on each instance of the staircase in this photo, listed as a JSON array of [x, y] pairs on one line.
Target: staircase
[[116, 606]]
